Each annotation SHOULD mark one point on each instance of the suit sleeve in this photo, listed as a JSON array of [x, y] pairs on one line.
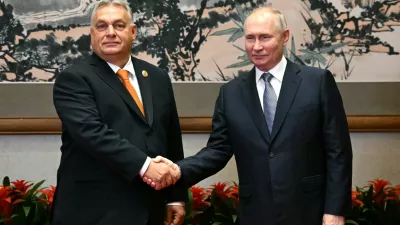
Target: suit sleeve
[[76, 107], [177, 192], [215, 155], [338, 148]]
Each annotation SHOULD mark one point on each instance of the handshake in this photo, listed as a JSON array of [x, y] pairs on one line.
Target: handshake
[[161, 173]]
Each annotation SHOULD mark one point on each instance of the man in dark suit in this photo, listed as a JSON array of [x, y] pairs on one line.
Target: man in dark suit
[[117, 113], [287, 128]]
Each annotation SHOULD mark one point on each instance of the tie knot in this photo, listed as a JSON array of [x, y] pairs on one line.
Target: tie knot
[[267, 77], [123, 74]]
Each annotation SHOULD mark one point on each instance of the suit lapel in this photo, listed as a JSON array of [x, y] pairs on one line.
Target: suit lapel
[[109, 77], [290, 84], [252, 101], [145, 89]]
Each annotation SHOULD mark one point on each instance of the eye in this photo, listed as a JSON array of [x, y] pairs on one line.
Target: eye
[[249, 38], [101, 27], [265, 37], [120, 26]]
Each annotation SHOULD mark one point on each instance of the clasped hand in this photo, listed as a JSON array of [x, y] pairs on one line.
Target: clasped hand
[[161, 173]]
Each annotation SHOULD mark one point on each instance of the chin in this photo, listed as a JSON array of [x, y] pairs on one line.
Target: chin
[[111, 51], [259, 64]]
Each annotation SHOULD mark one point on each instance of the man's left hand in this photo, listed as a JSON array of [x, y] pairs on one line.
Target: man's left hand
[[332, 220], [175, 215]]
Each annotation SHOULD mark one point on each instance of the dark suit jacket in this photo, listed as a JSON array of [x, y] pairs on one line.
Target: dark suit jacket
[[105, 142], [300, 171]]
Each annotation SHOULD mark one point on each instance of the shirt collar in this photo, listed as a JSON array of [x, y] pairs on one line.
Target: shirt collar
[[278, 71], [128, 66]]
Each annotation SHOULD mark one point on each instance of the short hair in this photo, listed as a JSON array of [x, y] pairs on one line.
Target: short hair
[[102, 3], [280, 18]]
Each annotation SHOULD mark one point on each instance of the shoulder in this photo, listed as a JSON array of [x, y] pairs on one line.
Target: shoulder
[[233, 86], [312, 70], [308, 73], [80, 69]]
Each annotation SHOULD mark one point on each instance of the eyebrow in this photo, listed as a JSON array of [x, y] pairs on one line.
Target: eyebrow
[[116, 21], [259, 34]]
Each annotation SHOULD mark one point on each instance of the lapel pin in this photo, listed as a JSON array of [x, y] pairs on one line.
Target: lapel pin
[[144, 73]]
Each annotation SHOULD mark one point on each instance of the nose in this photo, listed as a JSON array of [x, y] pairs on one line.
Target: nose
[[110, 31], [257, 46]]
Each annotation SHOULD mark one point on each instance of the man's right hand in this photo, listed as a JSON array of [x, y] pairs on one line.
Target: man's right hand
[[161, 173]]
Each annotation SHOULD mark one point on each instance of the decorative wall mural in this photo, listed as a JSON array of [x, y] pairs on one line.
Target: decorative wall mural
[[202, 40]]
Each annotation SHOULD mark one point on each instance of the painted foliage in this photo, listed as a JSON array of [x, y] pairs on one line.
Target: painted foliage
[[203, 40]]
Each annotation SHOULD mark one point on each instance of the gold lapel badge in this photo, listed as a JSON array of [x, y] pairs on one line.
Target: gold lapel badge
[[144, 73]]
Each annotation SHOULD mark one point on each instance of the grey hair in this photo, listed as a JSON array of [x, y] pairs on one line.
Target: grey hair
[[280, 18], [122, 3]]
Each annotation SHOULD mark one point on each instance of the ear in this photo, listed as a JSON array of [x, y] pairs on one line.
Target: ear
[[133, 30], [286, 35]]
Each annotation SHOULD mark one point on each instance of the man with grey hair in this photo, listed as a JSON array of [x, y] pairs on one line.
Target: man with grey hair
[[287, 128], [117, 113]]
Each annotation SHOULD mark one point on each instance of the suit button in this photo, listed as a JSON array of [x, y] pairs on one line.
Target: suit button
[[271, 155], [150, 132]]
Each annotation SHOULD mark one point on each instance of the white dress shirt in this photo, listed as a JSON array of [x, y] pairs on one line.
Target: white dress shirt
[[134, 81], [276, 81]]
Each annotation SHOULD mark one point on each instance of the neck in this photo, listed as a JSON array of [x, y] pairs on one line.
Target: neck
[[118, 61]]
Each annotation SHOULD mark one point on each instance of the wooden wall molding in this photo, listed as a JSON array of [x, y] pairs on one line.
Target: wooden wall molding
[[194, 125]]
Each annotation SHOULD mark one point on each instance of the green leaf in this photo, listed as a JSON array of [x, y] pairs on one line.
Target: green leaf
[[293, 50], [189, 203], [238, 34], [238, 24], [223, 208], [369, 196], [232, 30], [297, 59], [351, 222], [239, 64], [222, 215], [219, 72], [35, 188], [27, 209], [6, 181], [313, 56], [241, 49], [332, 47], [285, 52], [243, 57], [40, 213], [241, 13], [234, 218], [19, 218]]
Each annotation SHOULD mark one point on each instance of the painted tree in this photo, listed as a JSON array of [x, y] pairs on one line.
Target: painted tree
[[49, 54], [334, 30], [10, 32], [178, 36]]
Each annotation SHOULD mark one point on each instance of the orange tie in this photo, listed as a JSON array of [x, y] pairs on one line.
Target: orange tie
[[124, 75]]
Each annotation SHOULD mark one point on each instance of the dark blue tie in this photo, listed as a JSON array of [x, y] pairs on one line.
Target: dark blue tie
[[269, 101]]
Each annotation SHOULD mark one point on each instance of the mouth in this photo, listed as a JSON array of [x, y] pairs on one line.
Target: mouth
[[110, 44], [258, 56]]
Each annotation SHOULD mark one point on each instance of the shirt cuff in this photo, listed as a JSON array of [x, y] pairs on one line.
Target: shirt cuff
[[177, 203], [145, 166]]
